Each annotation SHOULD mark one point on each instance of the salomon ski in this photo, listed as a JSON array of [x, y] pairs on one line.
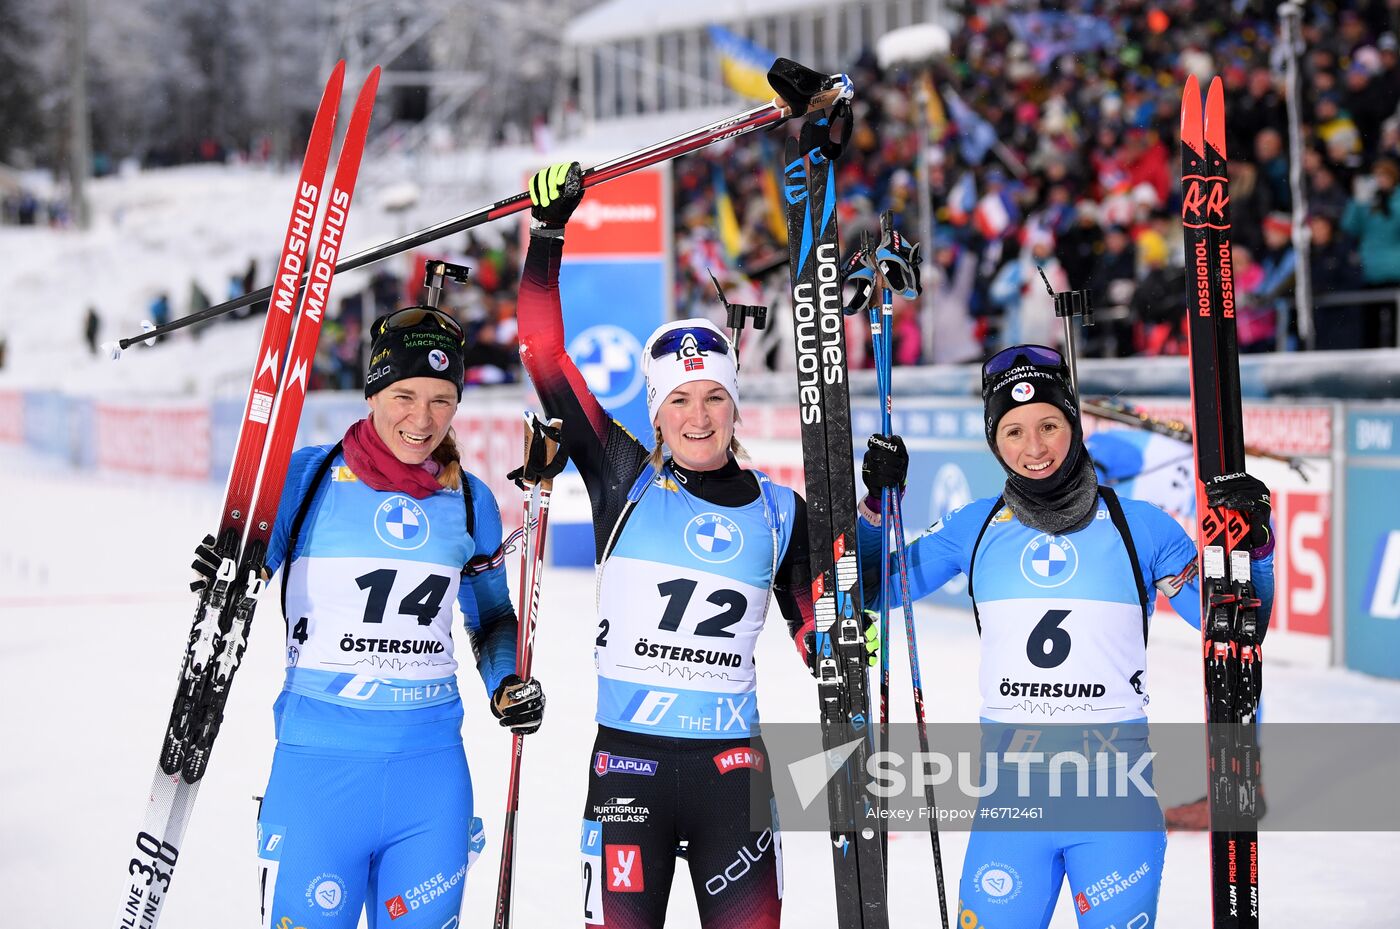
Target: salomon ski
[[839, 655]]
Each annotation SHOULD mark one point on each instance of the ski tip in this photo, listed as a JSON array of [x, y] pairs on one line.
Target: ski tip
[[370, 88], [330, 100], [1215, 117], [1191, 132]]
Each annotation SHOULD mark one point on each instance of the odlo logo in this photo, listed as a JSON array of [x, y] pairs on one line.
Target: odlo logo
[[740, 866]]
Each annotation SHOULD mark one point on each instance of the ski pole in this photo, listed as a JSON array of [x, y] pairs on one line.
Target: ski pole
[[896, 257], [880, 319], [798, 91], [535, 521]]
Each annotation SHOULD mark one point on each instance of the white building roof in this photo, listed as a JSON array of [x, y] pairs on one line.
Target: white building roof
[[621, 19]]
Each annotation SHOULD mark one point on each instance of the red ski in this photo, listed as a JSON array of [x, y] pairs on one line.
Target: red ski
[[219, 633]]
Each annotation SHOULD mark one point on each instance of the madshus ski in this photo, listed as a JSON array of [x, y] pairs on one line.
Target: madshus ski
[[219, 634], [1229, 620], [824, 403]]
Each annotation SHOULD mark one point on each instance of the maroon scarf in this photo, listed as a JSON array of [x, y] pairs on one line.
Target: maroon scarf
[[373, 463]]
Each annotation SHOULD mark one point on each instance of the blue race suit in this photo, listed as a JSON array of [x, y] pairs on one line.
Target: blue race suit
[[369, 804]]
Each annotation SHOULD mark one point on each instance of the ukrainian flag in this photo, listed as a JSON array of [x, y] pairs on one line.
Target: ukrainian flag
[[777, 219], [726, 221], [934, 113], [775, 215], [743, 64]]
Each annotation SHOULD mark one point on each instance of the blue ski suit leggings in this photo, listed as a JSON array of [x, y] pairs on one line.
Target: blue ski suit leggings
[[391, 833]]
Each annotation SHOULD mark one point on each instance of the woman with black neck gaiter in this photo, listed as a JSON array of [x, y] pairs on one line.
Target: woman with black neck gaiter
[[1063, 576]]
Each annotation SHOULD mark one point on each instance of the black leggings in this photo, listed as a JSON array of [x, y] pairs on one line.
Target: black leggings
[[710, 801]]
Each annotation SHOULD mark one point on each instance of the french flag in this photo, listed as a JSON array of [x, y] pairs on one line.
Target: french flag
[[962, 199], [993, 215]]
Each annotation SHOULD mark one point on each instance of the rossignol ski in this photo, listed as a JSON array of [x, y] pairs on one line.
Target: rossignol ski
[[1229, 620], [219, 633], [839, 641]]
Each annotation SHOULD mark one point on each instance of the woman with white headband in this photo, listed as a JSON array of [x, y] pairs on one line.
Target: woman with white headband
[[689, 547]]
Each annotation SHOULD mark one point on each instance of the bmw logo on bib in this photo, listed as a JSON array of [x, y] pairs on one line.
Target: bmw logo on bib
[[714, 538], [1049, 560], [401, 523]]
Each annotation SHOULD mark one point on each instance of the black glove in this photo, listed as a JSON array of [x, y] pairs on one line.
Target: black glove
[[555, 192], [206, 564], [519, 705], [886, 464], [1248, 496], [541, 465]]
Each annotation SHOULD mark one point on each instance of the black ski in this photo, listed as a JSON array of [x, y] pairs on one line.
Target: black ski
[[1229, 620], [824, 403]]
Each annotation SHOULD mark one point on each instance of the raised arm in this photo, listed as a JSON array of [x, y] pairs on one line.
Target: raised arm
[[607, 456]]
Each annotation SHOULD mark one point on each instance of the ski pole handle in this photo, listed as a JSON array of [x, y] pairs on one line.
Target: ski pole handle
[[544, 457]]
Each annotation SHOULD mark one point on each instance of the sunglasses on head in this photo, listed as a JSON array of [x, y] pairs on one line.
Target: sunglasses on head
[[412, 317], [703, 338], [1008, 358]]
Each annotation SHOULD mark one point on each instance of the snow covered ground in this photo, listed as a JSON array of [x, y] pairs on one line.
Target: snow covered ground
[[94, 614]]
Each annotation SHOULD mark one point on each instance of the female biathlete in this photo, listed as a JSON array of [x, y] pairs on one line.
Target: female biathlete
[[369, 804], [1062, 576], [688, 547]]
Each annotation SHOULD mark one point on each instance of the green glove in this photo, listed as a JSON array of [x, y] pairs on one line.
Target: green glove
[[872, 638], [555, 193]]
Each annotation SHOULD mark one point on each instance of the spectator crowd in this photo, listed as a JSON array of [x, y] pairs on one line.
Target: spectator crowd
[[1050, 142]]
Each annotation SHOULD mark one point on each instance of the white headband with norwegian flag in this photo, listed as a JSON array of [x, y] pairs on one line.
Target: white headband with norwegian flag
[[687, 363]]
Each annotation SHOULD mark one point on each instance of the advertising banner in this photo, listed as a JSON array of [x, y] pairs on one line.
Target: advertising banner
[[1372, 567], [11, 416], [615, 288], [167, 440]]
